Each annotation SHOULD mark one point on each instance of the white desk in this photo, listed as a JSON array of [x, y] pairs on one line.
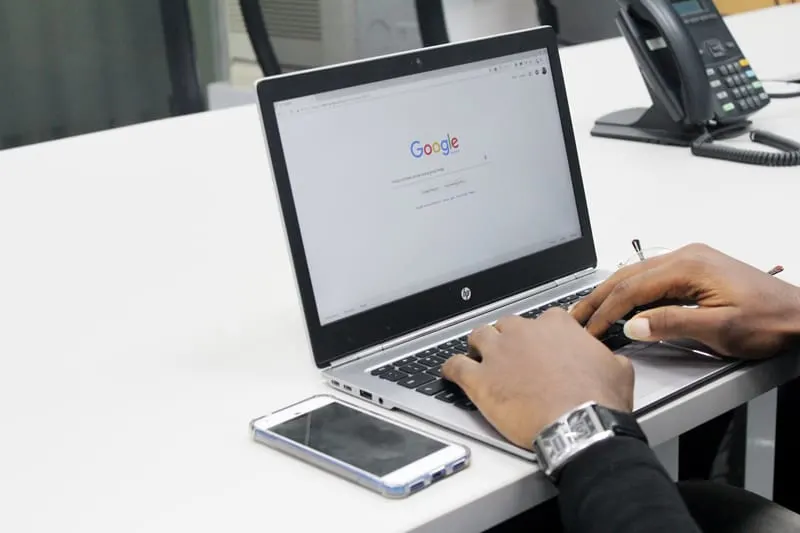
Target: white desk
[[147, 313]]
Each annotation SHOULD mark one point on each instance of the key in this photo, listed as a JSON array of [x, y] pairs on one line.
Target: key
[[434, 387], [393, 375], [413, 368], [450, 396], [467, 405], [431, 361], [381, 370], [417, 380], [437, 371]]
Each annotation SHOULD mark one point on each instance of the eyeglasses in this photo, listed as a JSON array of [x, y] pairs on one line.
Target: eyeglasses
[[642, 254]]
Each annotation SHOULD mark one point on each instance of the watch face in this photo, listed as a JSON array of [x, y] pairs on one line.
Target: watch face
[[554, 444], [581, 425]]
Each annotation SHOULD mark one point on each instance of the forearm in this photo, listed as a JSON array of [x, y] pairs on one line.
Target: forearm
[[618, 486]]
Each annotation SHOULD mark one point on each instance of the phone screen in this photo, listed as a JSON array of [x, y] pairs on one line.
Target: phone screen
[[358, 439], [687, 7]]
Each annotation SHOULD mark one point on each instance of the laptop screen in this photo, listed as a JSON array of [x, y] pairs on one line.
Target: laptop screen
[[407, 184]]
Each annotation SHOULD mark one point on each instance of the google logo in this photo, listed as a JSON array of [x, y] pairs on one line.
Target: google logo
[[445, 147]]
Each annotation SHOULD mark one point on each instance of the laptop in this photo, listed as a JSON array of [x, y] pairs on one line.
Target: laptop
[[426, 193]]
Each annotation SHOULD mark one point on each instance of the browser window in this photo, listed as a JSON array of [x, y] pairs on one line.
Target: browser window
[[404, 185]]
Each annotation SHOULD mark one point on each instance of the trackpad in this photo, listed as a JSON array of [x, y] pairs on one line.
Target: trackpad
[[664, 370]]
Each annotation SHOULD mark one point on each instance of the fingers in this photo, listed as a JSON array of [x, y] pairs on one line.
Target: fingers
[[584, 309], [481, 340], [462, 371], [645, 287], [673, 322], [507, 323]]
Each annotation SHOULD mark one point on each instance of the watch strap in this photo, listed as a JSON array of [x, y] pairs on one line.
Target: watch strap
[[622, 424]]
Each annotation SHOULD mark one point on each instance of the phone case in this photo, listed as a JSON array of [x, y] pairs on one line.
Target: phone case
[[349, 472]]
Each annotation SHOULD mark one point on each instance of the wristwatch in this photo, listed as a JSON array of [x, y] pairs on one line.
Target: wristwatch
[[587, 424]]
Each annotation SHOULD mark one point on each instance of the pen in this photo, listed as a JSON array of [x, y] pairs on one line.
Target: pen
[[637, 246], [774, 271]]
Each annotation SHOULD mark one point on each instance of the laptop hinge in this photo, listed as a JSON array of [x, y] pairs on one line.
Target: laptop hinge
[[459, 319], [356, 356], [575, 276]]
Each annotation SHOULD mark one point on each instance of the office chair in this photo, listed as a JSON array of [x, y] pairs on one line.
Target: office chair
[[432, 26], [187, 96], [548, 14], [259, 37]]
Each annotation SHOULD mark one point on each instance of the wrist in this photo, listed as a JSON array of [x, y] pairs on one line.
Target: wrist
[[791, 319], [578, 430], [784, 323], [606, 458]]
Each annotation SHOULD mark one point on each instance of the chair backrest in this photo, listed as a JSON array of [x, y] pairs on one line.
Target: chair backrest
[[548, 15], [187, 95], [257, 31], [431, 21]]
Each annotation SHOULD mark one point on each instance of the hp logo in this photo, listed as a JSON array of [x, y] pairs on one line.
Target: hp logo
[[466, 294]]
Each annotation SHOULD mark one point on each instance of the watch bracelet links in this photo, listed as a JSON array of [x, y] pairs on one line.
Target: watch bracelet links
[[619, 423]]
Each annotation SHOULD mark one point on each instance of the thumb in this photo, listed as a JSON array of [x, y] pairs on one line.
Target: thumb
[[675, 322], [462, 371]]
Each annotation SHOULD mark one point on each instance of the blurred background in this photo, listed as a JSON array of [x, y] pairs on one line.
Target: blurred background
[[70, 67]]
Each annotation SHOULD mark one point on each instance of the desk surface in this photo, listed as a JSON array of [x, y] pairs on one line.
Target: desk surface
[[147, 313]]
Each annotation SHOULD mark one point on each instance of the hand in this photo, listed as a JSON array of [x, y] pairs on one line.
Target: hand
[[531, 372], [741, 311]]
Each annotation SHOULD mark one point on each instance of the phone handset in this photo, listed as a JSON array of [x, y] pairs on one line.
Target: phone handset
[[701, 85], [673, 47]]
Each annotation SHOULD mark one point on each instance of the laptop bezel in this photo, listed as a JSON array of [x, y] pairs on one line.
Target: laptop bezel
[[376, 326]]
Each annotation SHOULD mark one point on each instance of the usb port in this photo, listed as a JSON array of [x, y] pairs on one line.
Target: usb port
[[366, 395], [419, 485], [459, 465], [334, 383], [348, 388], [436, 476]]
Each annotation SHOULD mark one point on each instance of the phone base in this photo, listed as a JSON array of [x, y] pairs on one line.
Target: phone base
[[650, 125]]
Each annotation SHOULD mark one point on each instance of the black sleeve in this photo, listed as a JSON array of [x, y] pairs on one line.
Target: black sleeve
[[619, 486]]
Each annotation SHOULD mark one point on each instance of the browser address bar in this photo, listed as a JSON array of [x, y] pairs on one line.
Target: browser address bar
[[327, 102]]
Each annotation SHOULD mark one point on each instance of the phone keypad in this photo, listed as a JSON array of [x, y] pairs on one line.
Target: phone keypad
[[737, 88]]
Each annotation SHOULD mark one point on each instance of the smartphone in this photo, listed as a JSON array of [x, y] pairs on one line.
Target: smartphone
[[375, 452]]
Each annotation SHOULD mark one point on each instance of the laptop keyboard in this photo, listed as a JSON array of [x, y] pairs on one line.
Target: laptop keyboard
[[422, 371]]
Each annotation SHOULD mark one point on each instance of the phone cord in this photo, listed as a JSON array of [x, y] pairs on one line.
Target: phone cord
[[785, 96], [789, 156]]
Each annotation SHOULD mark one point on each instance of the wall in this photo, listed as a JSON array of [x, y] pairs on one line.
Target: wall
[[728, 7], [69, 67]]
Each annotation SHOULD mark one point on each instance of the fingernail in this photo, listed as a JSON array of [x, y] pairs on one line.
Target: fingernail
[[637, 329]]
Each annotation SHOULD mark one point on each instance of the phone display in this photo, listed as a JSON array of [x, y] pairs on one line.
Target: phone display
[[356, 438], [687, 7], [380, 454]]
